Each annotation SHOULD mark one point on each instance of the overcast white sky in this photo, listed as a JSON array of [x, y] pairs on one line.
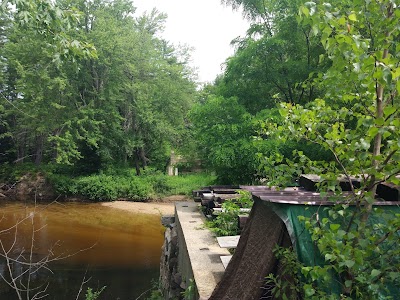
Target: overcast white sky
[[205, 25]]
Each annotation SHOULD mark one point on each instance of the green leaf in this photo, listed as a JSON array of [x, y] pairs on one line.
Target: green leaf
[[309, 290], [372, 132], [379, 121], [330, 257], [334, 227], [353, 17], [387, 75], [349, 263], [375, 273], [304, 10], [394, 275], [396, 73], [388, 110]]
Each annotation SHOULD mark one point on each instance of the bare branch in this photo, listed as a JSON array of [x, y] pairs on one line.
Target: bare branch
[[83, 282]]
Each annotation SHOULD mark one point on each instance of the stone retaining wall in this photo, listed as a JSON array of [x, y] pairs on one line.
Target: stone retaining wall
[[170, 279]]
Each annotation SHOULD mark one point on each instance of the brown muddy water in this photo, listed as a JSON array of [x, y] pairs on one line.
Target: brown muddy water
[[111, 247]]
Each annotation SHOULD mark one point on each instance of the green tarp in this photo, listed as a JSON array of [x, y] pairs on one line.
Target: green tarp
[[306, 249]]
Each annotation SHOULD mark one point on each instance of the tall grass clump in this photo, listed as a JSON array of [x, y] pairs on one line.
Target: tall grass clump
[[185, 184]]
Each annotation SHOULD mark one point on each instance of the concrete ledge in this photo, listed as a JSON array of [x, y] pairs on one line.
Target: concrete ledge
[[199, 255], [228, 241], [225, 260]]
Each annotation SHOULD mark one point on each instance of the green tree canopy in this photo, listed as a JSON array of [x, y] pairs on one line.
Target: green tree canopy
[[120, 105]]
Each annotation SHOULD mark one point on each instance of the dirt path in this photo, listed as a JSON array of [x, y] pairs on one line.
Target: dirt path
[[165, 207]]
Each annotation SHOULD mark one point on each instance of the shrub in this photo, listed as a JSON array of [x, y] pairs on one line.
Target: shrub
[[185, 184], [124, 184], [226, 223]]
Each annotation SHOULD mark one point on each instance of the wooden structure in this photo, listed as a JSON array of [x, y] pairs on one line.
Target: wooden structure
[[272, 222]]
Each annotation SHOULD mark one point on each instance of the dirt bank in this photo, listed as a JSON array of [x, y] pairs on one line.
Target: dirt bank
[[31, 186], [141, 207], [164, 207]]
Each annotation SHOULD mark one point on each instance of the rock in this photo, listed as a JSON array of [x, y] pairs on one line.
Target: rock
[[172, 262], [167, 220], [178, 278]]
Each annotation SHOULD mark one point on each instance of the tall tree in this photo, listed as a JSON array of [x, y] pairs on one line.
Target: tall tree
[[223, 130], [35, 41], [273, 63]]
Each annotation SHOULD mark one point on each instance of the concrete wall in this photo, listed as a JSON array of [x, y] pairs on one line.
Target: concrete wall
[[191, 255]]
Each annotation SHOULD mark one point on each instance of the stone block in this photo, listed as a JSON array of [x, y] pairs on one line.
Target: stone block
[[178, 278], [167, 220]]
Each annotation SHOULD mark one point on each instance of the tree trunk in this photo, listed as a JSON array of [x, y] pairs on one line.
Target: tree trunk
[[21, 147], [39, 149], [137, 165], [143, 157]]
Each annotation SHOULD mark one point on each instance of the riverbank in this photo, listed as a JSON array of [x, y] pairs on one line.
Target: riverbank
[[164, 207], [100, 187]]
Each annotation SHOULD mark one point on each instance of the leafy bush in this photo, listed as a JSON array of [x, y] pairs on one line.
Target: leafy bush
[[138, 189], [124, 184], [63, 184], [160, 184], [223, 131], [226, 223], [98, 187], [105, 187], [245, 200]]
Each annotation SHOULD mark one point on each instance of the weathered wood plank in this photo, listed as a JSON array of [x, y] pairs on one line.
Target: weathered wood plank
[[223, 197], [309, 182], [225, 191], [242, 220]]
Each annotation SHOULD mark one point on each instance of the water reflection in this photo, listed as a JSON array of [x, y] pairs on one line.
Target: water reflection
[[122, 249]]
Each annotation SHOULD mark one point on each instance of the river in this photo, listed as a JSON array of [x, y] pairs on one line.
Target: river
[[106, 246]]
